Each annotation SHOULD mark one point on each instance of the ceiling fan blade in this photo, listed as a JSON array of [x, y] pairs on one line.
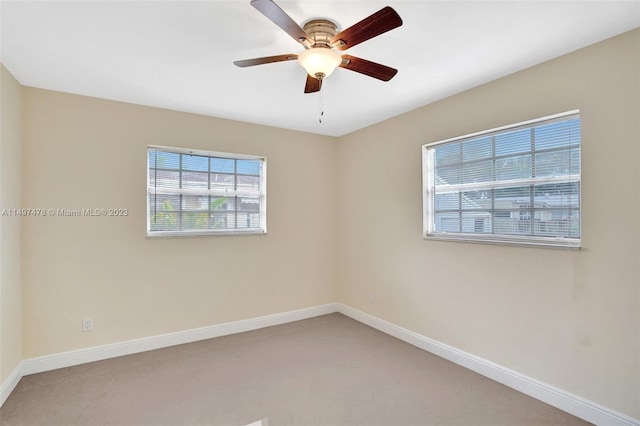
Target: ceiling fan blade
[[312, 85], [279, 17], [265, 60], [380, 22], [372, 69]]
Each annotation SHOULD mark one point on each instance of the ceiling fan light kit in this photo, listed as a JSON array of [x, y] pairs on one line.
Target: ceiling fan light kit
[[318, 36], [319, 61]]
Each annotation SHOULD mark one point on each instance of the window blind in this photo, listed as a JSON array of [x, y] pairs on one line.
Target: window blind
[[199, 193], [516, 184]]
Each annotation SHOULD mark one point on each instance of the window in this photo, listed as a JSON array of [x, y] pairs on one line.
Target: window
[[204, 193], [515, 184]]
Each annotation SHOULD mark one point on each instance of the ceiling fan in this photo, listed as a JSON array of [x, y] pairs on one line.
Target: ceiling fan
[[321, 41]]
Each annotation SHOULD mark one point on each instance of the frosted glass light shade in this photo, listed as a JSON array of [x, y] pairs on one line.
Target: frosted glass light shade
[[319, 61]]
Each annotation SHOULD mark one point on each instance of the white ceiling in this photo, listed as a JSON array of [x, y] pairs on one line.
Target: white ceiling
[[179, 54]]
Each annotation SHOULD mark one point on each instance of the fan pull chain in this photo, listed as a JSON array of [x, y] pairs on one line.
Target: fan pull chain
[[320, 107]]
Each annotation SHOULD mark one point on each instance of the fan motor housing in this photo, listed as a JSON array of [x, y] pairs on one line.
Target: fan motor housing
[[321, 31]]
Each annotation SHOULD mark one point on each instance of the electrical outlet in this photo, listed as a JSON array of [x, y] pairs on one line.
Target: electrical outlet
[[87, 324]]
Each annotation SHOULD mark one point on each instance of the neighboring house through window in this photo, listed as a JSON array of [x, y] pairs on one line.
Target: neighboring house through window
[[515, 184], [193, 192]]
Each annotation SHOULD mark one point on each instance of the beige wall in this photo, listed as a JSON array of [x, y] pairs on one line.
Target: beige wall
[[567, 318], [82, 152], [10, 197]]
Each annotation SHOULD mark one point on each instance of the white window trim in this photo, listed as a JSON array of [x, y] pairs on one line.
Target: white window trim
[[209, 232], [520, 240]]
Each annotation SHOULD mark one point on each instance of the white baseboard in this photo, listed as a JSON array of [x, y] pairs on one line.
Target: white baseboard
[[565, 401], [579, 407], [10, 383], [98, 353]]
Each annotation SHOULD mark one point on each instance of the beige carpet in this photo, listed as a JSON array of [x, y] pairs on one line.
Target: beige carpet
[[328, 370]]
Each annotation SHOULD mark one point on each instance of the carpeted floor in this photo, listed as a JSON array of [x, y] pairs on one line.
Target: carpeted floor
[[329, 370]]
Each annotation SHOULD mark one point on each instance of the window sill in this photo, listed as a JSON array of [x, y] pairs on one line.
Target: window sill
[[189, 234], [560, 243]]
